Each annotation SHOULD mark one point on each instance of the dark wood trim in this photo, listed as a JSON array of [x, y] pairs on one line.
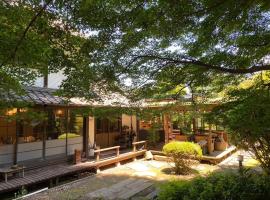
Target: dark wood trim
[[94, 142], [85, 135], [137, 127], [18, 128], [67, 129], [45, 79], [44, 136]]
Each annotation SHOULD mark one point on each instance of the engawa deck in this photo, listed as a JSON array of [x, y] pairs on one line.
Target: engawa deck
[[215, 158], [55, 171]]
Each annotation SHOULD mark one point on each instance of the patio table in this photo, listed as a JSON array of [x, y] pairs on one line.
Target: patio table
[[6, 171]]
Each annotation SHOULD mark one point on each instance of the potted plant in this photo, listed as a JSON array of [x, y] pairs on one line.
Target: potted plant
[[220, 144]]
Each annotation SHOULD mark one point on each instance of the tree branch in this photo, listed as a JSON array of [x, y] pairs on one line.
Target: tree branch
[[32, 21], [254, 68]]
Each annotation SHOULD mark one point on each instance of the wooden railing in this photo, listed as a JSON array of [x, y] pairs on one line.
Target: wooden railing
[[134, 144], [116, 160], [117, 149], [98, 151]]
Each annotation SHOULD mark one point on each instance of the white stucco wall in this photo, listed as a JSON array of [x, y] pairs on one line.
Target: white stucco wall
[[6, 154], [55, 147], [28, 151], [74, 143]]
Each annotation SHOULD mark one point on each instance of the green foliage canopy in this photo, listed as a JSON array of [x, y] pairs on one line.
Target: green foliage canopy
[[166, 44], [246, 115], [161, 46]]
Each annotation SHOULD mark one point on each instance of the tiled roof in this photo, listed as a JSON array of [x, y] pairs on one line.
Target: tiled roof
[[39, 96], [48, 96], [45, 96]]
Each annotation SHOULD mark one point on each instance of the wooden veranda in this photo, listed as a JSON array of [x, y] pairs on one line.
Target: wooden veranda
[[54, 172]]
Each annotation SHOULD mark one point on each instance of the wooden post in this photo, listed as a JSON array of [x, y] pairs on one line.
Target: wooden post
[[134, 148], [194, 125], [67, 129], [44, 135], [145, 145], [77, 156], [209, 143], [117, 155], [45, 79], [86, 135], [18, 129], [117, 152], [166, 127], [51, 183], [97, 157], [57, 181]]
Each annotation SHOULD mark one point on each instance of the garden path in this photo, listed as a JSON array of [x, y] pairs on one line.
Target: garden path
[[129, 181], [232, 161]]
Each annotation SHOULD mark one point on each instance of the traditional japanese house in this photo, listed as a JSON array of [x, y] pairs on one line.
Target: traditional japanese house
[[61, 131]]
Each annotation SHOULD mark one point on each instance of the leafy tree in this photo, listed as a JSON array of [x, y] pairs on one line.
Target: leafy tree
[[246, 116], [159, 45], [178, 42], [30, 44], [39, 37]]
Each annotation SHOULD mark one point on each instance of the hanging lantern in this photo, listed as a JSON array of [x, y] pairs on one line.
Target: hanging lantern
[[12, 111], [59, 112]]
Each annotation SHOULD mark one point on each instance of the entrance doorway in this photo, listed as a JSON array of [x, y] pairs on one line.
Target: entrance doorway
[[107, 132]]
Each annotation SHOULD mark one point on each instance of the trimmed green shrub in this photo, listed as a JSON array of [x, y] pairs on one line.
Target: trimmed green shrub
[[69, 135], [218, 186], [182, 154]]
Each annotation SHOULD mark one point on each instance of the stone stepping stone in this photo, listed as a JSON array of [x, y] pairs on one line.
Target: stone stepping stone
[[122, 190], [138, 167]]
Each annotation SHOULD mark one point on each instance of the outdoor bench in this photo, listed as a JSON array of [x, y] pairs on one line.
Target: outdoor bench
[[15, 170]]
